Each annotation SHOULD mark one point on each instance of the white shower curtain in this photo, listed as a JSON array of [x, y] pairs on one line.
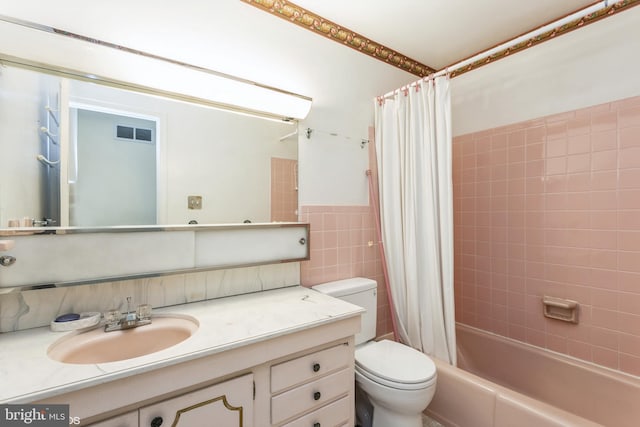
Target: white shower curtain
[[413, 147]]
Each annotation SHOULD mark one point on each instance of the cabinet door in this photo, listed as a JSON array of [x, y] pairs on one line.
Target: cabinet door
[[228, 404], [130, 419]]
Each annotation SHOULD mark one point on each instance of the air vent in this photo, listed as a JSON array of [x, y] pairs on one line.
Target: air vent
[[134, 134]]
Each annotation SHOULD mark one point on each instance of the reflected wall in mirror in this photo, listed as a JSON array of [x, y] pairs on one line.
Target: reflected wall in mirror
[[74, 151], [112, 155]]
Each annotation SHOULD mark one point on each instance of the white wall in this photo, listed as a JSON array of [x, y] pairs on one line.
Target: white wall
[[334, 170], [590, 66], [225, 158]]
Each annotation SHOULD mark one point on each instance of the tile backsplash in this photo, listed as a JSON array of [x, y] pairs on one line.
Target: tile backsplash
[[30, 309], [344, 244], [552, 207]]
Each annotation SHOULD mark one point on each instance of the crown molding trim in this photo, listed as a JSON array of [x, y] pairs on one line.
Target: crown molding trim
[[319, 25], [313, 22]]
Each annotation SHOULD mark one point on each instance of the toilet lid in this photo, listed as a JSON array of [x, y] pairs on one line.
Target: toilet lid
[[395, 362]]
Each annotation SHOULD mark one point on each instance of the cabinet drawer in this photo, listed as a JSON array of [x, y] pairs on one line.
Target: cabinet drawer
[[305, 368], [310, 396], [334, 414]]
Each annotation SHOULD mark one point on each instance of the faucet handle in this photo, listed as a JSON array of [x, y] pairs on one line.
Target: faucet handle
[[112, 316], [144, 311]]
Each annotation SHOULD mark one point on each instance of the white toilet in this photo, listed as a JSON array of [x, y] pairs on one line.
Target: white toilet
[[398, 380]]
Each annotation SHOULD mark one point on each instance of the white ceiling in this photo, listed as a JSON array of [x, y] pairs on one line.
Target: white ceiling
[[438, 33]]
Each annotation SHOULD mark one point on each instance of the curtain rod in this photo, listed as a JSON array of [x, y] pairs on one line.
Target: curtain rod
[[568, 23]]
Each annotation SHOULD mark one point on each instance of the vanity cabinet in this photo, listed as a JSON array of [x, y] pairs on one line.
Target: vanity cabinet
[[300, 376], [312, 390]]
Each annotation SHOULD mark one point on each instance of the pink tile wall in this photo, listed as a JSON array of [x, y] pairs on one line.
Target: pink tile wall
[[344, 244], [552, 207], [284, 189]]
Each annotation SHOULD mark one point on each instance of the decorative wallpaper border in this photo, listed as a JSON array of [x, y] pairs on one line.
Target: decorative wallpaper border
[[304, 18], [309, 20], [541, 38]]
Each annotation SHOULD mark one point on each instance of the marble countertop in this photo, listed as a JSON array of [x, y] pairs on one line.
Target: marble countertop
[[28, 374]]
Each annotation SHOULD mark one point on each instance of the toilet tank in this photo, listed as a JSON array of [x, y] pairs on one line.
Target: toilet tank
[[359, 291]]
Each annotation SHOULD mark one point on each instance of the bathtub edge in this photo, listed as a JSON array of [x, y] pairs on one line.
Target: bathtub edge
[[486, 404]]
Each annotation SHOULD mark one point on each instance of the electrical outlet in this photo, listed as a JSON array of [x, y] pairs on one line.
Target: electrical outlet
[[194, 202]]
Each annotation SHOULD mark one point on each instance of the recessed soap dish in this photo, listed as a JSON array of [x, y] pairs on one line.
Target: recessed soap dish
[[560, 309], [85, 320]]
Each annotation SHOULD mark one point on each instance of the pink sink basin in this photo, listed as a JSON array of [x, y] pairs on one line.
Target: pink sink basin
[[97, 346]]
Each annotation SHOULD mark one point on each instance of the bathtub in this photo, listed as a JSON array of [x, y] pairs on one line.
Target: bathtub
[[504, 383]]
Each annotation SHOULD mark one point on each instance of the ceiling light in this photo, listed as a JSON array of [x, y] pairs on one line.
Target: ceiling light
[[49, 49]]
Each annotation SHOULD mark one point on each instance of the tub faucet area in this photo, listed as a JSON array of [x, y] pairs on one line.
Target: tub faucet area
[[116, 321]]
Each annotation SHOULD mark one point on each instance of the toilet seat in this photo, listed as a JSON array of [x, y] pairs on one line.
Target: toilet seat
[[395, 365]]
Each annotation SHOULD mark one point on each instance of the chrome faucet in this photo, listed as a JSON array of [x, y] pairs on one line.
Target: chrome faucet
[[116, 321]]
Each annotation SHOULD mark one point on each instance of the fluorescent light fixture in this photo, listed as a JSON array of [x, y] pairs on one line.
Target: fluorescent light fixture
[[49, 49]]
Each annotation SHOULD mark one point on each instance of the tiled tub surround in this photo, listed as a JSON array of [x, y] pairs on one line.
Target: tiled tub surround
[[231, 329], [344, 244], [552, 207]]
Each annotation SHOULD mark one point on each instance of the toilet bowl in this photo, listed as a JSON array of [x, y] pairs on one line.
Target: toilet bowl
[[397, 380]]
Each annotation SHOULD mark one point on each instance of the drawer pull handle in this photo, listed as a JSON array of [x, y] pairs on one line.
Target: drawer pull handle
[[316, 367], [317, 395], [156, 422], [316, 424]]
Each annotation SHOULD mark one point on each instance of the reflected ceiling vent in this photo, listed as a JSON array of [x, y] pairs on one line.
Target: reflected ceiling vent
[[134, 134]]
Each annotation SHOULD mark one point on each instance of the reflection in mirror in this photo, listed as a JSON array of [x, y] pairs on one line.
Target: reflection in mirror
[[27, 131], [76, 153], [113, 155]]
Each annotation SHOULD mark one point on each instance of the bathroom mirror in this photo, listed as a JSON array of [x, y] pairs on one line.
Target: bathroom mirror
[[86, 154]]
